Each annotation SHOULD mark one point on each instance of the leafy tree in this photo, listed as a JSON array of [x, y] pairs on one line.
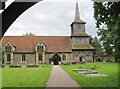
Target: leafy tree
[[1, 56], [29, 34], [107, 40], [96, 43], [107, 16], [91, 40]]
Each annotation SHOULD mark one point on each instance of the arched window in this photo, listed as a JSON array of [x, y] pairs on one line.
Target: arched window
[[64, 57]]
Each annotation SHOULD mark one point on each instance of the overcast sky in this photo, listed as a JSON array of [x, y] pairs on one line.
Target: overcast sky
[[53, 18]]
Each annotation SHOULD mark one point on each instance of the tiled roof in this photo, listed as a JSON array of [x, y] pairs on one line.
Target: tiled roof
[[82, 46], [27, 43]]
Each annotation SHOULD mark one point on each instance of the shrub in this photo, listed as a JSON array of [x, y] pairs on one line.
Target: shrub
[[32, 66], [14, 66], [65, 63]]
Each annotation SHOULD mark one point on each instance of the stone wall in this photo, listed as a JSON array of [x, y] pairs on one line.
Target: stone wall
[[30, 59], [5, 58], [108, 58], [17, 59], [70, 57], [105, 58], [47, 57]]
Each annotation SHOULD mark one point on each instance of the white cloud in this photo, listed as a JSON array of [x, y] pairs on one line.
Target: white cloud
[[71, 13], [70, 1], [53, 18]]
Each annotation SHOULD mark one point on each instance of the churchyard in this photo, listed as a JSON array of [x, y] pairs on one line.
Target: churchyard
[[25, 77], [37, 77], [108, 68]]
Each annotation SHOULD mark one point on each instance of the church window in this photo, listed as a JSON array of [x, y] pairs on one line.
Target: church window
[[8, 57], [8, 48], [40, 48], [23, 57], [64, 57], [40, 57]]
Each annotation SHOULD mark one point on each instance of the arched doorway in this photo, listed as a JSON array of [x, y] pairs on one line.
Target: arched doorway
[[56, 59]]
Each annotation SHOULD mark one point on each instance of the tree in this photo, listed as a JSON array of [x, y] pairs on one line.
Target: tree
[[29, 34], [96, 43], [1, 54], [91, 40], [107, 16]]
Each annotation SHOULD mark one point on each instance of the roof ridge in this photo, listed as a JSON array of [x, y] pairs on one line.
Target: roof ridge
[[36, 36]]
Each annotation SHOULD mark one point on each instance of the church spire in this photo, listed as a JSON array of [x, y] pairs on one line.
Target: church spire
[[77, 14]]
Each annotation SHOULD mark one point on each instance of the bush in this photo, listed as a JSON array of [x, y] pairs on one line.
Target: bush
[[32, 66], [65, 63], [14, 66]]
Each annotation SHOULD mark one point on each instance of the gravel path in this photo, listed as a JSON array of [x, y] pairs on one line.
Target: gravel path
[[59, 78]]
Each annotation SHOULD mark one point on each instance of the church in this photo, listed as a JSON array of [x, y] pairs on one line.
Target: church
[[34, 50]]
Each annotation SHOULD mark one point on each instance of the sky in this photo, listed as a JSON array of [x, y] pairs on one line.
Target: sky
[[53, 18]]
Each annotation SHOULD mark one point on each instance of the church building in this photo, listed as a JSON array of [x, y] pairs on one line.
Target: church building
[[33, 50]]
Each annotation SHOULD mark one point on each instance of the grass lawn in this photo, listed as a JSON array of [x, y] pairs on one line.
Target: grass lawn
[[111, 69], [0, 78], [25, 77]]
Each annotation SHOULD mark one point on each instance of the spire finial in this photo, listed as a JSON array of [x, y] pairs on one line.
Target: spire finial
[[77, 15]]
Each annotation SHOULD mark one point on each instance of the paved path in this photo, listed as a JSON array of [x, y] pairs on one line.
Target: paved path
[[59, 78]]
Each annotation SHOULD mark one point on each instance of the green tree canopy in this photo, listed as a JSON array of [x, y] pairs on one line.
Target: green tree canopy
[[107, 16], [1, 54], [29, 34], [96, 43]]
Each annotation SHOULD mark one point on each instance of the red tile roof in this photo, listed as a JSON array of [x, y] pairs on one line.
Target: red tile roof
[[27, 43]]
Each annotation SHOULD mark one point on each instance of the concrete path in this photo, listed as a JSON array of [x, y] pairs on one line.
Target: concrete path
[[59, 78]]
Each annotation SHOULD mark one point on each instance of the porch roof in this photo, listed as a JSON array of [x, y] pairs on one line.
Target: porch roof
[[82, 46]]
